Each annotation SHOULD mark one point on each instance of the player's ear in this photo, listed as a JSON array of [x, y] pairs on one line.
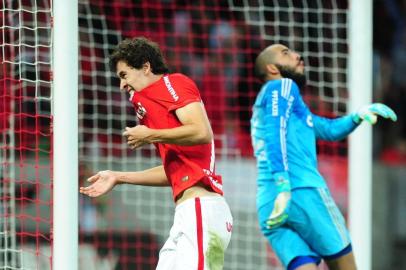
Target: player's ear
[[146, 67], [272, 69]]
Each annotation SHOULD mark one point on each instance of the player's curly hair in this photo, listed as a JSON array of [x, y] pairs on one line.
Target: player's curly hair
[[138, 51]]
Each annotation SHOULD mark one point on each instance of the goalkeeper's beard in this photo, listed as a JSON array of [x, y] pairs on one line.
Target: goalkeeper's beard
[[289, 72]]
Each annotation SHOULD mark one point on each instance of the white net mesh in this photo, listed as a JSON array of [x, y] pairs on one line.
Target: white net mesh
[[316, 29], [25, 102]]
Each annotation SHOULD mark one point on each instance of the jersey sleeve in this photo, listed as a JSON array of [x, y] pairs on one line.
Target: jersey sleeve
[[280, 99], [333, 129], [181, 91]]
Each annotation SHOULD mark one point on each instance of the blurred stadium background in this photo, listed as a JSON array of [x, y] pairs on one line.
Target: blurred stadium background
[[215, 44]]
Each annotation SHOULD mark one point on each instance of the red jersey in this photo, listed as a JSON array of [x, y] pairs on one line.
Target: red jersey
[[155, 107]]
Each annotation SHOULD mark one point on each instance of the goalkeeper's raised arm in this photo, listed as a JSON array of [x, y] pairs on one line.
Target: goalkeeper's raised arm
[[338, 128]]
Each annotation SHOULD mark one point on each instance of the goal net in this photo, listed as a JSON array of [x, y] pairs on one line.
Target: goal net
[[213, 43], [25, 134]]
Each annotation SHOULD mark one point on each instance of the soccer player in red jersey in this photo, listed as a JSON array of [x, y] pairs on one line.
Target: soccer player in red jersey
[[173, 118]]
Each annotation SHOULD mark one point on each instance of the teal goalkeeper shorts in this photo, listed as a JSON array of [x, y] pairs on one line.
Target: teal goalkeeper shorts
[[315, 226]]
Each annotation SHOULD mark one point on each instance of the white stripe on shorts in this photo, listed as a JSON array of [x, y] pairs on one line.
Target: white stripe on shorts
[[334, 215]]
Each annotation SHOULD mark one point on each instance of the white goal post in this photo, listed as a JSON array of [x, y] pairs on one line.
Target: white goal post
[[360, 143], [65, 135]]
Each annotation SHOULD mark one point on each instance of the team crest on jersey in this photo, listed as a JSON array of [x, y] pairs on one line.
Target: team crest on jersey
[[309, 121], [141, 111]]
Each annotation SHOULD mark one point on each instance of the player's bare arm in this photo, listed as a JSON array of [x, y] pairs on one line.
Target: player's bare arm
[[195, 129], [104, 181]]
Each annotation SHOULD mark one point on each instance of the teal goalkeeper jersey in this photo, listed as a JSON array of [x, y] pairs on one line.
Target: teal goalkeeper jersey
[[284, 133]]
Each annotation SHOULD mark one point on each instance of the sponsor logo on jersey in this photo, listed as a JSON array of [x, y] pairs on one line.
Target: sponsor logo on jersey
[[141, 111], [170, 89], [275, 103], [309, 121]]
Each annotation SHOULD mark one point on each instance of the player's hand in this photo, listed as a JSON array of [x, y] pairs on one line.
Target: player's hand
[[137, 136], [370, 113], [282, 202], [102, 182]]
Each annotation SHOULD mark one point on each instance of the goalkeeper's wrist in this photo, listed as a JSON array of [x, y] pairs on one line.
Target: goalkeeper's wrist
[[282, 181], [356, 118]]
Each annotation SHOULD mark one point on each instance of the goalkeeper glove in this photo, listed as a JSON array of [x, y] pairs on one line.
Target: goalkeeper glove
[[370, 112], [282, 202]]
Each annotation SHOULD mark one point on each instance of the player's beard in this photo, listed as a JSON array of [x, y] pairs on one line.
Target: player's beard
[[289, 72]]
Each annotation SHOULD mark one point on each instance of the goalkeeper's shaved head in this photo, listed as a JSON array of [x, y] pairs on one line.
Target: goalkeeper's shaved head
[[266, 57], [278, 61]]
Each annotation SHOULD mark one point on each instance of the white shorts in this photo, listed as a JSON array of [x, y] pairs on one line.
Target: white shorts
[[199, 236]]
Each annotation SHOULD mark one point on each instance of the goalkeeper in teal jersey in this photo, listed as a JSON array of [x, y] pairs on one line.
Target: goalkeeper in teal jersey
[[295, 209]]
